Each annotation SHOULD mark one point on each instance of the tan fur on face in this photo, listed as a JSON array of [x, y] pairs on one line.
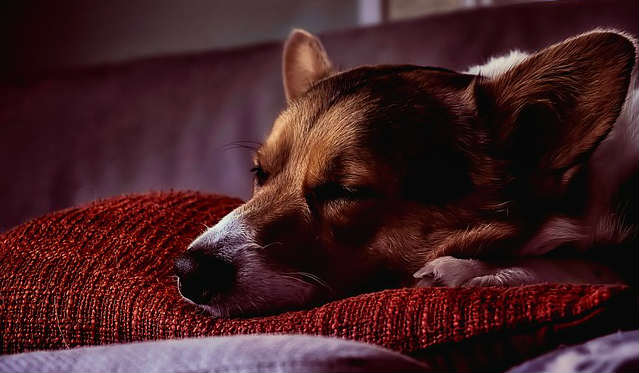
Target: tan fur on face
[[306, 140]]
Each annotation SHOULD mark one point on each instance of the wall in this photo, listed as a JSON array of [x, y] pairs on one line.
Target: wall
[[42, 35], [46, 35]]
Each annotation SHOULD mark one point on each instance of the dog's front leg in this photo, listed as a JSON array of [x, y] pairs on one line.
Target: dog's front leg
[[450, 271]]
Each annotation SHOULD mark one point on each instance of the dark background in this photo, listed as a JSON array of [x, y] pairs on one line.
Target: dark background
[[49, 35], [100, 98]]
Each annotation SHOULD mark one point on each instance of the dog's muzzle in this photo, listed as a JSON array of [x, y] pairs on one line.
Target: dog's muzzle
[[206, 269]]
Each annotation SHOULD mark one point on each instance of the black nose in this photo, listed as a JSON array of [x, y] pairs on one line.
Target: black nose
[[203, 275]]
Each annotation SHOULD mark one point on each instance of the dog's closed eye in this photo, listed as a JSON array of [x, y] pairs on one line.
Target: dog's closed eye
[[334, 191], [260, 175]]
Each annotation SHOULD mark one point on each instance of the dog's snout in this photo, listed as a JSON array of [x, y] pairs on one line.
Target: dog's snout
[[203, 275]]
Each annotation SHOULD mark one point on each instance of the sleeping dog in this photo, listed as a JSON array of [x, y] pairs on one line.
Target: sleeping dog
[[520, 171]]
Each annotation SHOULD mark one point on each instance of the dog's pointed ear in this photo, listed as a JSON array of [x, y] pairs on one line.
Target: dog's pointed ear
[[304, 62], [550, 111]]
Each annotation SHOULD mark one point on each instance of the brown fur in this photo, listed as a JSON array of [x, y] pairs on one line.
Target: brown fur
[[446, 159], [371, 173]]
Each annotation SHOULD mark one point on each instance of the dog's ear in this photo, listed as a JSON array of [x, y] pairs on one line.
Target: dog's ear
[[304, 62], [549, 112]]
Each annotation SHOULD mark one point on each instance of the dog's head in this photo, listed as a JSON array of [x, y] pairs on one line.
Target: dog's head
[[369, 173]]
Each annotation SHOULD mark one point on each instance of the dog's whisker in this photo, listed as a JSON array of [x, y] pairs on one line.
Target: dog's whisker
[[240, 308], [242, 144], [301, 280], [246, 141], [238, 146], [256, 246], [257, 143], [270, 244], [316, 280]]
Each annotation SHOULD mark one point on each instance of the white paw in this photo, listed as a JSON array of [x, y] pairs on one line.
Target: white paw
[[450, 272]]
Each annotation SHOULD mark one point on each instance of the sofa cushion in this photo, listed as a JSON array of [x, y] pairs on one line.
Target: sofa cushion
[[102, 274]]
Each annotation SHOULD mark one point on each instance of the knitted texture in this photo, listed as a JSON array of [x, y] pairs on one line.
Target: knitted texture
[[101, 274]]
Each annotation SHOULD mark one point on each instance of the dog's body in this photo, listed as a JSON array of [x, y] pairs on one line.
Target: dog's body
[[523, 170]]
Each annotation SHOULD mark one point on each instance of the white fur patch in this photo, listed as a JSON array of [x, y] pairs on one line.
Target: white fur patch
[[555, 232], [257, 287], [498, 65], [230, 229]]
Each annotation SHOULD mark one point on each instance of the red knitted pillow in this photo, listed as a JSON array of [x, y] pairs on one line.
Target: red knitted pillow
[[102, 274]]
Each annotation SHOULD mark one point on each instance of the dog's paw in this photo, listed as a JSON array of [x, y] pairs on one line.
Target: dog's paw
[[449, 271]]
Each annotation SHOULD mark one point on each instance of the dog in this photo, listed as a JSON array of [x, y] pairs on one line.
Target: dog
[[520, 171]]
